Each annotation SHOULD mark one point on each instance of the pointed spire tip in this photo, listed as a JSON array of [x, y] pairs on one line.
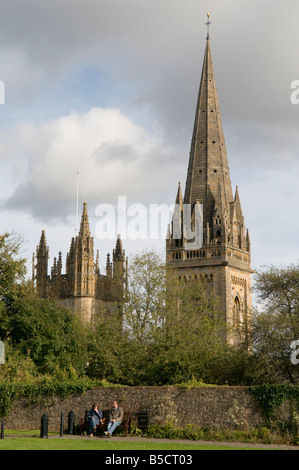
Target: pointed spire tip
[[208, 25]]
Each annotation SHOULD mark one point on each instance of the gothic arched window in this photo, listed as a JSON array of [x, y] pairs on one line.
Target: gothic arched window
[[237, 314]]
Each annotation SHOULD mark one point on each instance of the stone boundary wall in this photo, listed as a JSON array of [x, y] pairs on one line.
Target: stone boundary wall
[[214, 407]]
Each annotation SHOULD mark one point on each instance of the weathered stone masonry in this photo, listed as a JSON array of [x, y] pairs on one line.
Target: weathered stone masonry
[[218, 407], [223, 261]]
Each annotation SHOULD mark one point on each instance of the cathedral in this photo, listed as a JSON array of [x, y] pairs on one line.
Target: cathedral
[[82, 289], [222, 259]]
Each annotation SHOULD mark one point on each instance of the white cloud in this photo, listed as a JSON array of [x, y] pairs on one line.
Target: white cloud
[[113, 156], [146, 61]]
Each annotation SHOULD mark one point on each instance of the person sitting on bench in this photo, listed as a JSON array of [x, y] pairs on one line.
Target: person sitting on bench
[[95, 417], [115, 418]]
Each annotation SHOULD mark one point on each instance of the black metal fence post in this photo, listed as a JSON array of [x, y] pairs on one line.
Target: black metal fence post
[[2, 430], [44, 427], [71, 423], [61, 425]]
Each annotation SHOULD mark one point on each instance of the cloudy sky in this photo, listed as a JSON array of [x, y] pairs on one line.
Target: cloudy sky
[[108, 88]]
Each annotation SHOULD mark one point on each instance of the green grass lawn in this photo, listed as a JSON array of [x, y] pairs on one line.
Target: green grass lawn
[[32, 441]]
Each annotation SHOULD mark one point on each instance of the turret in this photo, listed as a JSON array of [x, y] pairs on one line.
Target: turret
[[42, 256], [84, 253]]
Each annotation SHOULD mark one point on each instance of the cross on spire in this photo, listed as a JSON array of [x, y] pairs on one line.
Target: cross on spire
[[208, 25]]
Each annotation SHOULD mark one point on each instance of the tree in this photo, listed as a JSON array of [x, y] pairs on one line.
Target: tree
[[192, 333], [173, 325], [38, 328], [51, 335], [12, 266], [105, 349], [277, 325], [144, 305]]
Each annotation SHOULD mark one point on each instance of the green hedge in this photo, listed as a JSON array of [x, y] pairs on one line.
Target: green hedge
[[10, 392], [198, 433]]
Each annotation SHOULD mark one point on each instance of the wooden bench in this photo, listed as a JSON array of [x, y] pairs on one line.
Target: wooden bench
[[125, 424]]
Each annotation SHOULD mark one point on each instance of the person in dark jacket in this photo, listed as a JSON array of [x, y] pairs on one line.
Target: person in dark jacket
[[115, 418], [95, 417]]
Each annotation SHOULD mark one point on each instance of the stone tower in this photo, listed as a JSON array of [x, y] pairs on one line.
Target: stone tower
[[223, 257], [83, 288], [80, 261]]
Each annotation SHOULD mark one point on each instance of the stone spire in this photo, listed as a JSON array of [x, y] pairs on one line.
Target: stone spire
[[42, 256], [84, 227], [118, 258], [179, 197], [108, 266], [42, 250], [208, 164], [97, 263], [59, 264], [177, 220], [221, 254], [119, 272]]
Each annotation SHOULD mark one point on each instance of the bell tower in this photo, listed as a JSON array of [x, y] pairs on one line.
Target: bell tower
[[223, 259]]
